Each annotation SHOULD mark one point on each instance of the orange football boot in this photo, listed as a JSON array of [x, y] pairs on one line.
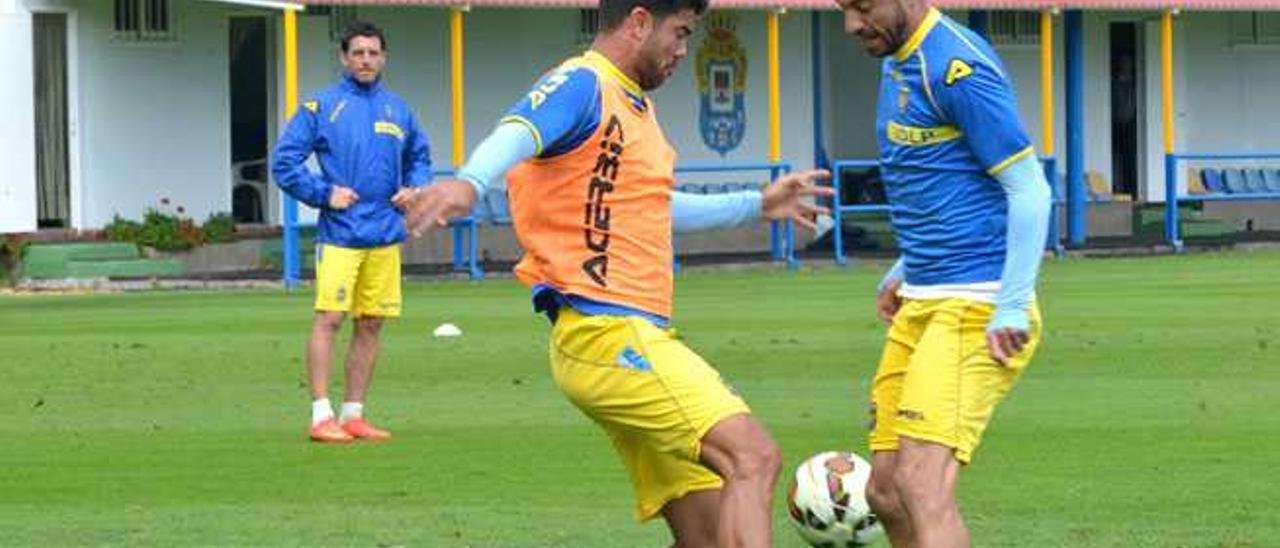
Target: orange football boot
[[328, 431], [358, 428]]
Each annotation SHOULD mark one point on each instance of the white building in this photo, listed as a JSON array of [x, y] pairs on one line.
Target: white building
[[112, 105]]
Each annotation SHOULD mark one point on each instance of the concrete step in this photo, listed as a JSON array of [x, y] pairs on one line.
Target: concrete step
[[135, 268]]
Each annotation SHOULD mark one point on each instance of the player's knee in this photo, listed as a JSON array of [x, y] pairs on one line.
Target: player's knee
[[369, 325], [329, 321], [761, 458], [702, 536], [882, 494], [921, 489]]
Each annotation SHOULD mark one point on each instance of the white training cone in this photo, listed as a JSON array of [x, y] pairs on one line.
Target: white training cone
[[447, 330]]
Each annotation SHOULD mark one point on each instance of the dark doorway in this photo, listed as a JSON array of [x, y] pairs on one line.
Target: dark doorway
[[249, 111], [53, 180], [1125, 65]]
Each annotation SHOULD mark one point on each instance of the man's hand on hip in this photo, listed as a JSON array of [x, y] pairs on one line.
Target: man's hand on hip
[[342, 197]]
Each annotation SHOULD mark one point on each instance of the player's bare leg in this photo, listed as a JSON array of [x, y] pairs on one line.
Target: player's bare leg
[[362, 356], [324, 328], [693, 519], [742, 452], [925, 476], [885, 501]]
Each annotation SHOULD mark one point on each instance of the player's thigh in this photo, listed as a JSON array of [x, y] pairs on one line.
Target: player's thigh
[[654, 397], [378, 286], [887, 385], [337, 271], [953, 385]]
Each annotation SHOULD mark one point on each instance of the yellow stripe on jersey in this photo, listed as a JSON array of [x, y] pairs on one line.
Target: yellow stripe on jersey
[[1010, 160], [388, 128], [930, 20], [921, 136], [537, 136]]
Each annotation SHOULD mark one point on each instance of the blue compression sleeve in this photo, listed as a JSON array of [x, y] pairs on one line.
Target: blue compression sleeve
[[1028, 196], [508, 145], [694, 212]]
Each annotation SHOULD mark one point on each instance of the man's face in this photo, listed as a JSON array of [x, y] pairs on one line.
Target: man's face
[[364, 58], [666, 44], [880, 24]]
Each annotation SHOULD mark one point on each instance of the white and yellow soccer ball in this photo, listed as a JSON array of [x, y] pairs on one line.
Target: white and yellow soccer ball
[[827, 501]]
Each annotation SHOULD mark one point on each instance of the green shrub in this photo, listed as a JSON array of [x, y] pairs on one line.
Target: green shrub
[[169, 232], [123, 230], [219, 227]]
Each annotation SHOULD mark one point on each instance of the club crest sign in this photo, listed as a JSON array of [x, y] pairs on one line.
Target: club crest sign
[[721, 67]]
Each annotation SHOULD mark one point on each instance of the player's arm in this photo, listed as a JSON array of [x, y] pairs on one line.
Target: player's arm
[[289, 159], [561, 112], [887, 300], [417, 155], [416, 162], [790, 197], [979, 100]]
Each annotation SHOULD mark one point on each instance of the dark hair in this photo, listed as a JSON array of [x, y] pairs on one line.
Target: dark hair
[[614, 12], [362, 28]]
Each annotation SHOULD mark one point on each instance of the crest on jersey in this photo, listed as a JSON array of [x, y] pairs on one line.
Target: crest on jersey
[[721, 68]]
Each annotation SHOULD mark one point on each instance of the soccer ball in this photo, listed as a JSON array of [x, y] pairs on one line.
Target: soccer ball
[[827, 501]]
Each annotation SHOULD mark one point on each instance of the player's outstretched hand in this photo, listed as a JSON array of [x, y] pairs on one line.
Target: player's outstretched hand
[[402, 197], [791, 197], [433, 206], [342, 197]]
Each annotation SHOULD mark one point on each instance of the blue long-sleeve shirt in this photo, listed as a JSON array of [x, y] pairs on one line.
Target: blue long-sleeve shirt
[[365, 138]]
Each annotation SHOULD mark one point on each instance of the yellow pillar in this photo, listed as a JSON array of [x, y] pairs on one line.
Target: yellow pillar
[[1166, 78], [1046, 80], [775, 89], [290, 62], [459, 120]]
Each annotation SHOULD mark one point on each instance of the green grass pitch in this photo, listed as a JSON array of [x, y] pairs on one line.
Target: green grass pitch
[[1149, 418]]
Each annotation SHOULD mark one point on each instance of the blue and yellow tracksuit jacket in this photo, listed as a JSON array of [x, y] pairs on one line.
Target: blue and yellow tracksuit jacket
[[365, 138]]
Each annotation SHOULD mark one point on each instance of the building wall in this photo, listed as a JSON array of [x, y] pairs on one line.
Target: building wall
[[17, 120], [156, 118], [1217, 117], [153, 119], [507, 50]]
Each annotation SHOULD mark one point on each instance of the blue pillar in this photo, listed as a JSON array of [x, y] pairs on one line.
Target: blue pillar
[[815, 52], [1076, 203], [292, 254], [978, 20]]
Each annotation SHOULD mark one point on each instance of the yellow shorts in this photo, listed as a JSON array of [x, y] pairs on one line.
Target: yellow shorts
[[937, 381], [654, 397], [364, 282]]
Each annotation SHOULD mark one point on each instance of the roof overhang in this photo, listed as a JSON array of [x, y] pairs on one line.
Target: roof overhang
[[1161, 5]]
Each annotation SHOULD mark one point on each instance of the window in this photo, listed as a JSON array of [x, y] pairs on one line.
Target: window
[[1255, 28], [143, 20], [1018, 28]]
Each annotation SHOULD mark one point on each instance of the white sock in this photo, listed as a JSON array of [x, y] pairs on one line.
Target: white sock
[[321, 410], [351, 410]]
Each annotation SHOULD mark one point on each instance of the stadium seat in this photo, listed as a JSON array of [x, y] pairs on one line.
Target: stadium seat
[[1272, 178], [1195, 181], [1234, 181], [1212, 179], [690, 188], [1253, 180]]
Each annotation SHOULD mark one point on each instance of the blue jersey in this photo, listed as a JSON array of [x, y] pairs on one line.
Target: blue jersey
[[364, 138], [563, 108], [946, 123]]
